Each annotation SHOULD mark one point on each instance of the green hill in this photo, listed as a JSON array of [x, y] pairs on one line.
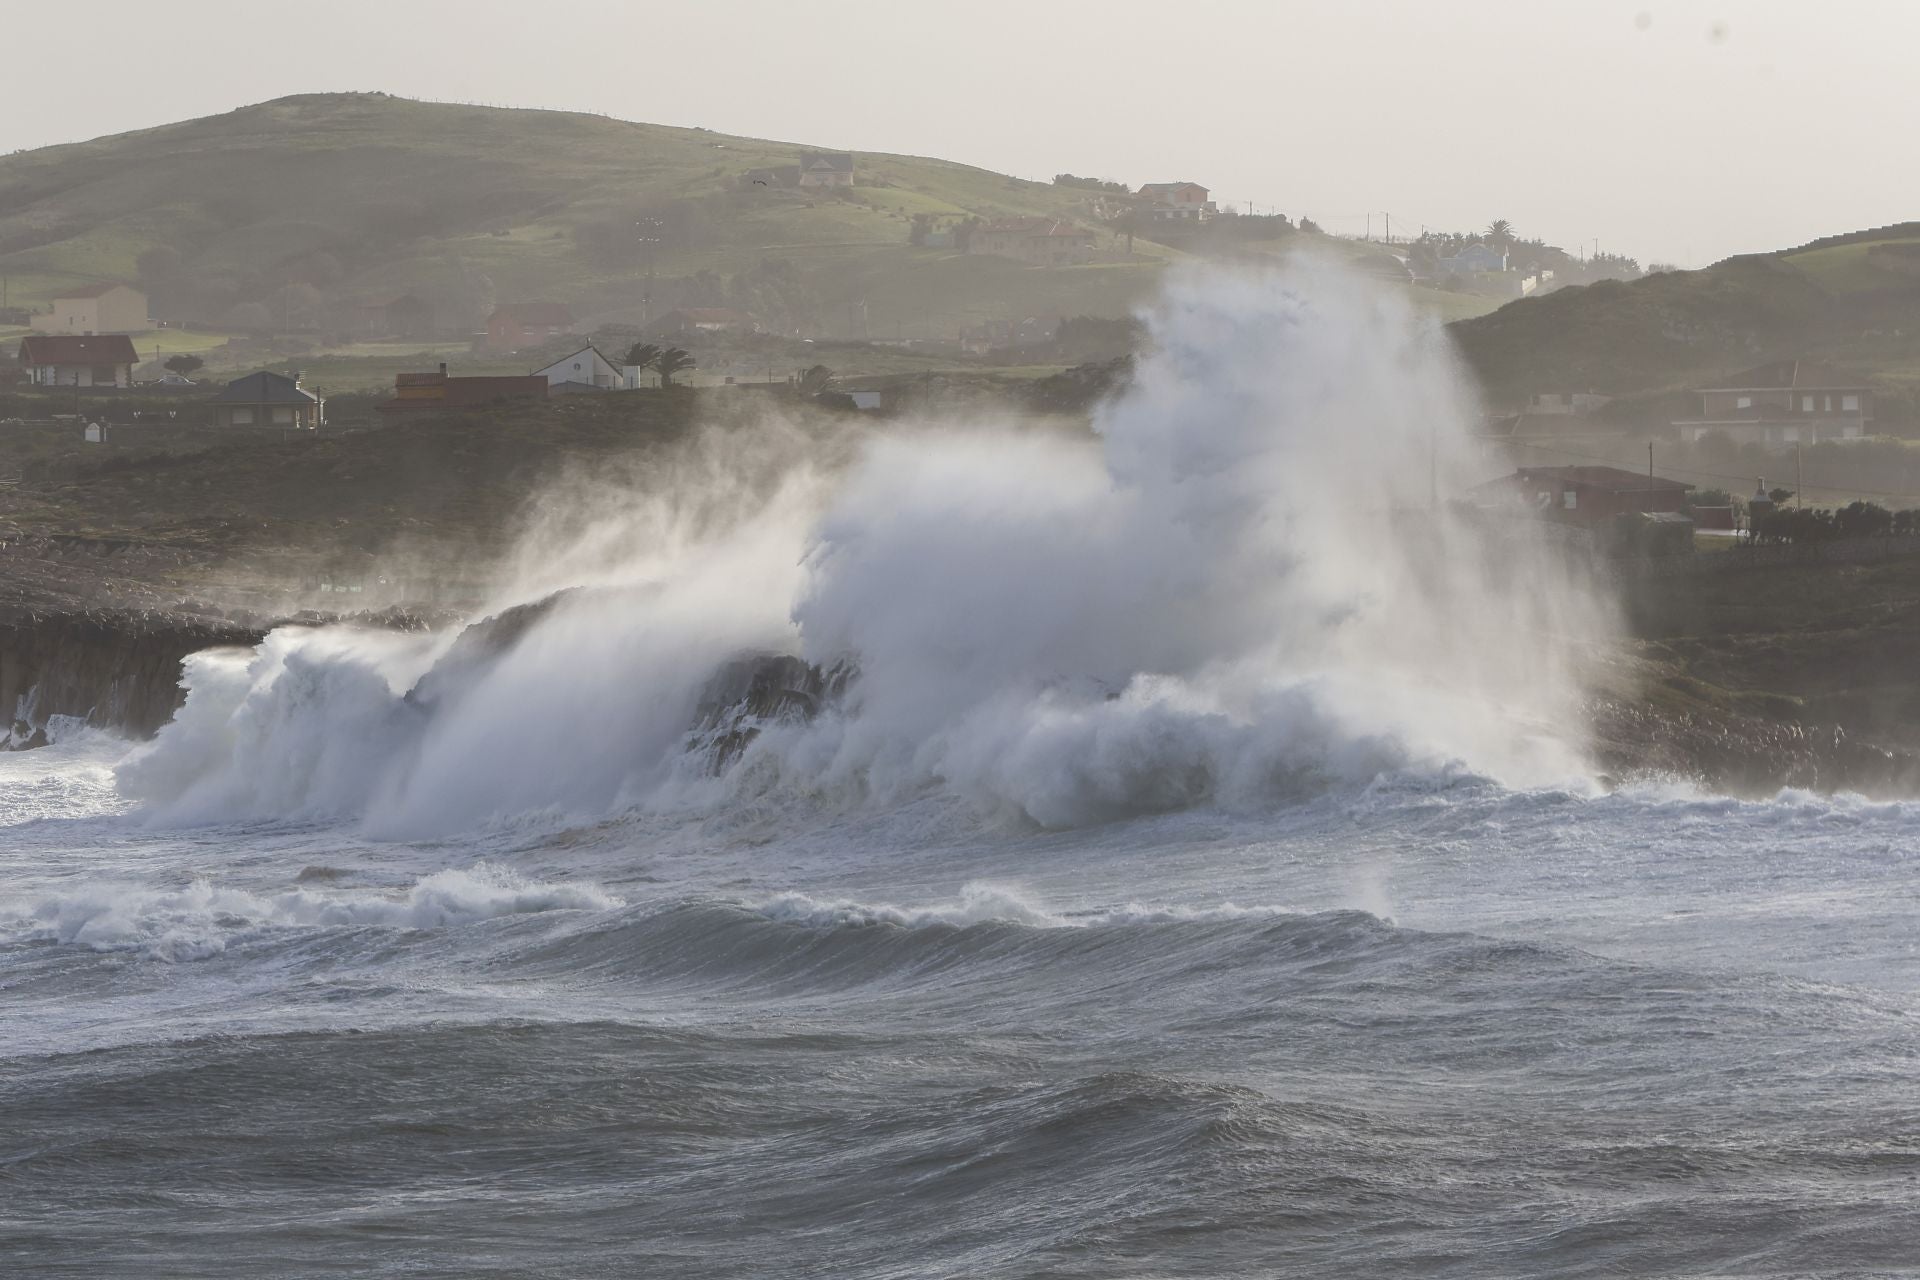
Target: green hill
[[294, 212], [1852, 300]]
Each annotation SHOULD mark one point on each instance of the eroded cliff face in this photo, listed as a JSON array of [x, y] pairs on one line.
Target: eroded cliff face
[[116, 669]]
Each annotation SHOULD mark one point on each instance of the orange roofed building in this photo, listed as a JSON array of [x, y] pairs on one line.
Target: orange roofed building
[[427, 392]]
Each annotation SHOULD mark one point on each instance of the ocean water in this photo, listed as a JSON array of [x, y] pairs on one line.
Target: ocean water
[[1199, 876]]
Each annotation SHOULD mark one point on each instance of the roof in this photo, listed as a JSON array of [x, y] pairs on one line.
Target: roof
[[89, 291], [534, 313], [265, 388], [838, 161], [1783, 375], [1605, 479], [92, 348], [582, 351], [1149, 188]]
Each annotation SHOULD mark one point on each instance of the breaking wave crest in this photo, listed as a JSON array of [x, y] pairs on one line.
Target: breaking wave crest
[[200, 920], [1241, 589]]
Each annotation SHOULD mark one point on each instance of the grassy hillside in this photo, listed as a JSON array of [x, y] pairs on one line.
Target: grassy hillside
[[309, 206], [1853, 300]]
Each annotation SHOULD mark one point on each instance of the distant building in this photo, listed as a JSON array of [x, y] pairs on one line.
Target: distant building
[[826, 169], [268, 400], [527, 324], [65, 360], [692, 322], [427, 392], [1584, 495], [1177, 202], [1044, 242], [1566, 402], [772, 176], [1788, 402], [409, 317], [584, 368], [97, 308]]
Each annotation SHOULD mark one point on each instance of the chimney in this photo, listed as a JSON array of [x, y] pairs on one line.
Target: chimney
[[443, 368], [295, 375]]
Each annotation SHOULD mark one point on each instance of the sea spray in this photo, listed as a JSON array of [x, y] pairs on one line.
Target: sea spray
[[1246, 586]]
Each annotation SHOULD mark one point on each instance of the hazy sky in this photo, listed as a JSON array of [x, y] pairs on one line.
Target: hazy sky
[[1679, 130]]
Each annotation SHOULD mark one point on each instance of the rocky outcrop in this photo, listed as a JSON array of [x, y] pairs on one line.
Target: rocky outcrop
[[753, 691], [111, 668]]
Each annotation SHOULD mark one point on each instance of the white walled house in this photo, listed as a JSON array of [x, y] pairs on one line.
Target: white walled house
[[584, 368], [66, 360], [96, 308], [1177, 202]]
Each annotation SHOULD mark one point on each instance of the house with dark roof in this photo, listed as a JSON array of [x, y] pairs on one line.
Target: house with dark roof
[[585, 369], [96, 308], [1583, 495], [527, 324], [1780, 405], [429, 392], [826, 168], [268, 400], [1042, 242], [1177, 202], [68, 360]]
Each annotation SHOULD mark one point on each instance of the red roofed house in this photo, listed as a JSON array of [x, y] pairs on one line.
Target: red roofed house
[[97, 308], [1585, 495], [64, 360], [1177, 201], [527, 324], [1044, 242], [1789, 402]]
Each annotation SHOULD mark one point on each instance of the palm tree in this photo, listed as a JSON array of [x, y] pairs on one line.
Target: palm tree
[[1500, 231], [815, 380], [669, 362], [642, 355]]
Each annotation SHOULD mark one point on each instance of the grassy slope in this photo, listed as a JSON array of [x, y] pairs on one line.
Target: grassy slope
[[1846, 302], [482, 205]]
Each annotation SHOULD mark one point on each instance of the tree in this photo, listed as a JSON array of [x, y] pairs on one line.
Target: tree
[[669, 362], [184, 365], [815, 380], [1500, 232], [1129, 222], [641, 355], [1309, 226]]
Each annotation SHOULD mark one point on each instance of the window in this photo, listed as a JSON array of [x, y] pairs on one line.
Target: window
[[1806, 404], [1850, 404], [282, 417], [242, 417], [1827, 405], [1570, 499], [1744, 402]]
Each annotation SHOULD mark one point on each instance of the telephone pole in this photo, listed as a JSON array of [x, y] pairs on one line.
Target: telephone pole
[[1799, 480]]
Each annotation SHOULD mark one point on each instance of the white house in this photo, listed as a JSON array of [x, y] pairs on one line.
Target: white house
[[584, 368], [96, 308], [1177, 202]]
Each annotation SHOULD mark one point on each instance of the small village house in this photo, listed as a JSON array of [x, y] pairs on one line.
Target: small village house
[[1474, 259], [520, 325], [584, 369], [96, 308], [1177, 202], [68, 360], [826, 169], [428, 392], [1586, 495], [267, 399], [1786, 403], [1040, 242]]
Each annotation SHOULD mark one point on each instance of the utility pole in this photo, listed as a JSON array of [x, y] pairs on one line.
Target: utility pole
[[1389, 218], [1369, 226], [1433, 466], [1649, 477], [1799, 480]]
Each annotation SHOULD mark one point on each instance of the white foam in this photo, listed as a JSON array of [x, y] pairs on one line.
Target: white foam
[[982, 902], [201, 919]]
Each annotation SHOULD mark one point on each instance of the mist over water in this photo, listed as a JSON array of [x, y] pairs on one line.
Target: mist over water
[[1245, 587]]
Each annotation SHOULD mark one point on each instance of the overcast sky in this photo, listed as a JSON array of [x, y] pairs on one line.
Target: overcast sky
[[1677, 130]]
